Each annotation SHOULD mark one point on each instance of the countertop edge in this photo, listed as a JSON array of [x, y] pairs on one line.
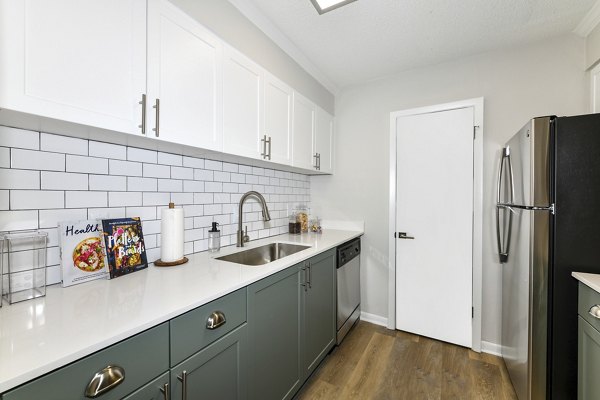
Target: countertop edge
[[590, 280]]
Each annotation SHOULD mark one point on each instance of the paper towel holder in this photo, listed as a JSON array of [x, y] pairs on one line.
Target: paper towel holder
[[160, 263]]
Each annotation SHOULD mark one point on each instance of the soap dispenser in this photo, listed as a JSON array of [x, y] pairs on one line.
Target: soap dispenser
[[214, 238]]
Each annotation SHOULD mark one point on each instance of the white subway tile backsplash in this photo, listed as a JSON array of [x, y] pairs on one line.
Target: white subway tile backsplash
[[51, 218], [18, 220], [170, 159], [142, 184], [81, 199], [125, 168], [4, 200], [50, 178], [63, 144], [142, 155], [105, 213], [124, 199], [156, 171], [214, 165], [213, 186], [156, 199], [63, 181], [91, 165], [36, 199], [193, 162], [145, 213], [19, 179], [203, 175], [182, 198], [108, 183], [108, 150], [37, 160], [182, 173], [170, 185], [4, 157], [19, 138]]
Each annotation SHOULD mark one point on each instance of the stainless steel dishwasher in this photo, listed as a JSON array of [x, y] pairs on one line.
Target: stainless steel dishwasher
[[348, 287]]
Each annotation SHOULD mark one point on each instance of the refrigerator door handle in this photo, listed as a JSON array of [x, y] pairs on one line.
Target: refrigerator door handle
[[503, 250], [512, 207]]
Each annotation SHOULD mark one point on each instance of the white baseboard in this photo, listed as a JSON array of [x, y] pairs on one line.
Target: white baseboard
[[491, 348], [374, 319]]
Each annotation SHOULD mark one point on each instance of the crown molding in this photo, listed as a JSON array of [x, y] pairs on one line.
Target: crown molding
[[589, 21], [251, 12]]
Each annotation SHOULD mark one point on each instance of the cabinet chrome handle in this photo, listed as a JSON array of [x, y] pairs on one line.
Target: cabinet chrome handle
[[165, 391], [305, 284], [264, 147], [183, 380], [595, 311], [316, 157], [268, 141], [105, 380], [143, 124], [156, 107], [215, 320], [318, 161], [308, 281]]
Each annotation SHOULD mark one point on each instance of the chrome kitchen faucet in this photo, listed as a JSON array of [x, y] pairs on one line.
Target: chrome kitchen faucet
[[242, 236]]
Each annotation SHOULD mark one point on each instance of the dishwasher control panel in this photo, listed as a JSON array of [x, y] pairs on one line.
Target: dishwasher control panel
[[348, 251]]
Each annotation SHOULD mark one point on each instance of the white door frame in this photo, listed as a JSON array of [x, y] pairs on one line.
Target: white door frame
[[477, 104]]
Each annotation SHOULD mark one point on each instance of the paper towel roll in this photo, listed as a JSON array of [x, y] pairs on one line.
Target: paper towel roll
[[171, 234]]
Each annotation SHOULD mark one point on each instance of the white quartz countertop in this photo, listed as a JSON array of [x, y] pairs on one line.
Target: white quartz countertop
[[38, 336], [591, 280]]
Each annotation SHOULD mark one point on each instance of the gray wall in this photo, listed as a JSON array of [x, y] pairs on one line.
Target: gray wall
[[517, 84], [232, 26]]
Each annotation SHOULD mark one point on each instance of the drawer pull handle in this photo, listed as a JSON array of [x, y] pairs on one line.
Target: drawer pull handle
[[215, 320], [595, 311], [105, 380], [165, 391]]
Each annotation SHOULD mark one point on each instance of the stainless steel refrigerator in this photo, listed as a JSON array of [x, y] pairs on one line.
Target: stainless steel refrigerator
[[548, 225]]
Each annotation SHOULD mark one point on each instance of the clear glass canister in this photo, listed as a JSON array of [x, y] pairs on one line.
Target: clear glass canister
[[294, 225], [302, 212]]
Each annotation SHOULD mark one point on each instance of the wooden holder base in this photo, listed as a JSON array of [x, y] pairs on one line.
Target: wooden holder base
[[160, 263]]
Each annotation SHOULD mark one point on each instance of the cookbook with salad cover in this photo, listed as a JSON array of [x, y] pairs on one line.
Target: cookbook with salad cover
[[124, 244], [81, 251]]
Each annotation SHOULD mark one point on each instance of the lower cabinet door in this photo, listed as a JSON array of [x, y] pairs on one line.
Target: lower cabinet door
[[158, 389], [274, 323], [588, 370], [318, 311], [219, 371]]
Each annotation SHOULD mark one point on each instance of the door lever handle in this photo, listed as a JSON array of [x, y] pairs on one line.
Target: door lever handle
[[402, 235]]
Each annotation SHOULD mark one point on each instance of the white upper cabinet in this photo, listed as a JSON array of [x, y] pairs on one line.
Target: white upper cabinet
[[82, 61], [242, 105], [184, 75], [278, 120], [323, 150], [303, 126]]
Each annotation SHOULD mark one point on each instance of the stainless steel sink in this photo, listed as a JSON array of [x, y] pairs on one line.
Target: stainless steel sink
[[263, 254]]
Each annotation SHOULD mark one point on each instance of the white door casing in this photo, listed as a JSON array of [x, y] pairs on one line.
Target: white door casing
[[435, 196]]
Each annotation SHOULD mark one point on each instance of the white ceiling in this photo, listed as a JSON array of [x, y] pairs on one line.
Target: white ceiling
[[368, 39]]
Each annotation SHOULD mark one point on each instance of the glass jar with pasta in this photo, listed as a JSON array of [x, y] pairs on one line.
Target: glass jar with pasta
[[302, 217]]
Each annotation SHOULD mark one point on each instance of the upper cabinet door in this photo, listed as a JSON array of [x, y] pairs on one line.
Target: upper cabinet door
[[324, 141], [184, 75], [82, 61], [278, 120], [242, 105], [303, 132]]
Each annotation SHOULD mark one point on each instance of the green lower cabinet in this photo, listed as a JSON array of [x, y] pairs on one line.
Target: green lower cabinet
[[318, 311], [274, 323], [219, 371], [158, 389], [588, 370], [291, 319]]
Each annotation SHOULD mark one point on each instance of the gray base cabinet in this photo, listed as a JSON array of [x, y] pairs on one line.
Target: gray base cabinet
[[274, 322], [217, 372], [318, 311], [588, 354], [158, 389], [291, 319]]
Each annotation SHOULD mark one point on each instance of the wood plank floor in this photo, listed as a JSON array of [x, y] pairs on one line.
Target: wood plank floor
[[376, 363]]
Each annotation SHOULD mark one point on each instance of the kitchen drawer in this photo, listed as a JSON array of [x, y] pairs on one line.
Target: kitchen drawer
[[587, 299], [143, 358], [189, 332]]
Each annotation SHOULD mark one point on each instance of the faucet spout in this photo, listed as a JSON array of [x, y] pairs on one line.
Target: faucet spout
[[241, 236]]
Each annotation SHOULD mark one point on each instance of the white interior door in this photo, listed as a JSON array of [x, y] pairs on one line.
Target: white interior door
[[434, 205]]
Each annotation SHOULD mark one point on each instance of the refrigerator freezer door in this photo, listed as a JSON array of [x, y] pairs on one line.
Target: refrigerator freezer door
[[524, 275]]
